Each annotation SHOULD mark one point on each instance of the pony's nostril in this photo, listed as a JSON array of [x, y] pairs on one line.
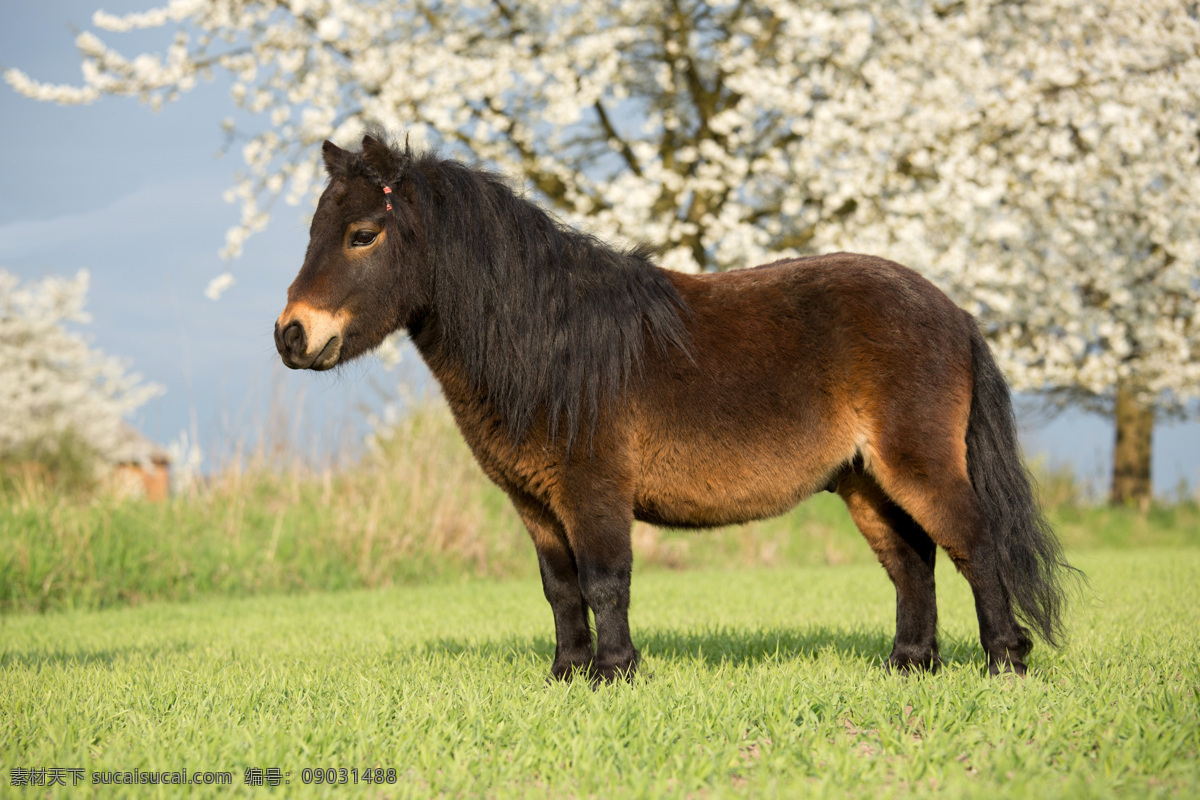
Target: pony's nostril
[[294, 339]]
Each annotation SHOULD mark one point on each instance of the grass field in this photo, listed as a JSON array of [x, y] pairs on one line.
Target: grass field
[[755, 682]]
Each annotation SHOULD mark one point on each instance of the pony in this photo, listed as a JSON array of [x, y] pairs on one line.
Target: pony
[[596, 388]]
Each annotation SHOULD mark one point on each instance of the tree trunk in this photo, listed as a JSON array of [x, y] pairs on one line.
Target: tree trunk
[[1131, 456]]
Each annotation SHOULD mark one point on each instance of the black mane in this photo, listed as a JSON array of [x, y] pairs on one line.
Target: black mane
[[543, 317]]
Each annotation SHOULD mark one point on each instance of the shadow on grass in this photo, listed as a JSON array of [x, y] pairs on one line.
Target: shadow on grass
[[748, 647], [717, 646], [76, 658]]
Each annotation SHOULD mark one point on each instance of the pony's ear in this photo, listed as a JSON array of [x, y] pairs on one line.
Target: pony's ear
[[379, 156], [335, 158]]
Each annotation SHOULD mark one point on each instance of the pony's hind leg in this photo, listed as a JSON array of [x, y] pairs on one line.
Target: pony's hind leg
[[560, 582], [908, 555], [941, 500]]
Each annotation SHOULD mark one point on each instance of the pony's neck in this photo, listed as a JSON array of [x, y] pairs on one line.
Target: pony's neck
[[426, 334], [431, 340], [465, 399]]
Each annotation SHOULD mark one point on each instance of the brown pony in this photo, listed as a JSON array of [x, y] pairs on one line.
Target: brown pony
[[596, 388]]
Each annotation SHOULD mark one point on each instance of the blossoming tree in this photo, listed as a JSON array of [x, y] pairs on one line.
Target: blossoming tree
[[52, 383], [1063, 201], [1036, 159]]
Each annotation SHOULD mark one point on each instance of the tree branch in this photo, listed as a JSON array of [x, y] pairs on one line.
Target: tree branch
[[611, 133]]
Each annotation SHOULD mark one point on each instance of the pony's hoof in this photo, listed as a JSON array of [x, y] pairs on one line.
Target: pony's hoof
[[908, 664], [568, 670], [1008, 667], [622, 670]]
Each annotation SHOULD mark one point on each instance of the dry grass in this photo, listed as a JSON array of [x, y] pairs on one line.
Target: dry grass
[[415, 509]]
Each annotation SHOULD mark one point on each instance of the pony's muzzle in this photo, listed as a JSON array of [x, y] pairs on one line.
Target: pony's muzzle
[[308, 338]]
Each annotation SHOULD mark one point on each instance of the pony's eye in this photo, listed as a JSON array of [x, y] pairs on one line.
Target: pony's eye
[[362, 238]]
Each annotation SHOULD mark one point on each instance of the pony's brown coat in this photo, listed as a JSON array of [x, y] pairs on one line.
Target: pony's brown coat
[[714, 399], [691, 448]]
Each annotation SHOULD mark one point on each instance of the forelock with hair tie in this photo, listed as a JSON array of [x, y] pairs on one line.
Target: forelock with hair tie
[[384, 184], [387, 188], [377, 179]]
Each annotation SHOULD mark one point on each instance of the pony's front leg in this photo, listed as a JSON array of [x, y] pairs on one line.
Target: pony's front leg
[[600, 540], [560, 582], [605, 586]]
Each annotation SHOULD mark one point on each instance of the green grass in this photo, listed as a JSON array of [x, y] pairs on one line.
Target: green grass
[[755, 682]]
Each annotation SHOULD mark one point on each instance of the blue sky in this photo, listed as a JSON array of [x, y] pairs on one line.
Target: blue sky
[[135, 197]]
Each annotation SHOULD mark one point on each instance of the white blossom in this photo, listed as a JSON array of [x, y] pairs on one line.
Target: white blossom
[[218, 285], [1037, 160], [51, 381]]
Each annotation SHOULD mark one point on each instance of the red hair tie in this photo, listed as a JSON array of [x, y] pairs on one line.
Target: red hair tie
[[386, 191]]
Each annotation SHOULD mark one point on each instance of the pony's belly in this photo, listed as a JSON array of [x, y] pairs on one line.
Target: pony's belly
[[732, 491], [696, 512], [725, 469]]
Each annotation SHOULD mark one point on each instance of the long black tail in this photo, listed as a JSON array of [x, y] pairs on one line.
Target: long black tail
[[1029, 557]]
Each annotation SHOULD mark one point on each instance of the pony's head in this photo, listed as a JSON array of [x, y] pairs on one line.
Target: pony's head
[[363, 274]]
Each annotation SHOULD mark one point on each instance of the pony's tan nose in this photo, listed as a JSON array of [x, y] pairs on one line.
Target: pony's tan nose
[[309, 338], [291, 342]]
